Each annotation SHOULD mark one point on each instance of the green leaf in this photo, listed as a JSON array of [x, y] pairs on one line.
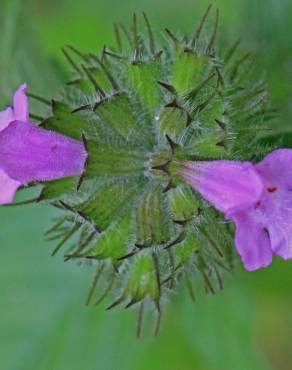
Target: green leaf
[[215, 230], [186, 249], [86, 87], [208, 145], [116, 112], [171, 122], [110, 161], [144, 77], [151, 219], [187, 71], [111, 201], [213, 109], [183, 203], [142, 280], [56, 188], [67, 123], [113, 242]]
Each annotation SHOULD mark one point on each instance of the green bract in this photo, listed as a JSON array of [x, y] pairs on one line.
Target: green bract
[[142, 108]]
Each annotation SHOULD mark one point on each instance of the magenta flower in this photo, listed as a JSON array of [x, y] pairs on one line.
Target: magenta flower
[[258, 198], [29, 153]]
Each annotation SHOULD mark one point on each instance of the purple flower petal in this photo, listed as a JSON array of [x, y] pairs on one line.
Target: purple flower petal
[[230, 186], [276, 171], [251, 240], [276, 209], [18, 112], [30, 153], [6, 117], [8, 188], [20, 104]]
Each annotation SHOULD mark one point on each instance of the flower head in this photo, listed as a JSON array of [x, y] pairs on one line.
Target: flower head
[[144, 109], [29, 153], [258, 198]]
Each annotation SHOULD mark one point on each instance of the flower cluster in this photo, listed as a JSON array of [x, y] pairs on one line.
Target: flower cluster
[[258, 198], [144, 152]]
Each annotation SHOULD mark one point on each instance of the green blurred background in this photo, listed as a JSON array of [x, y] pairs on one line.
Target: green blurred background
[[44, 323]]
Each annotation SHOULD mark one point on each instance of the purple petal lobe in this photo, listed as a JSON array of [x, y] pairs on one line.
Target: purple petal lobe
[[276, 211], [230, 186], [20, 104], [30, 153], [276, 168], [252, 241], [8, 188], [6, 117], [276, 172]]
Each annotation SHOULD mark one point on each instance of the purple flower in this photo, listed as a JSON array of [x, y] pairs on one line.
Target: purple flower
[[29, 153], [258, 198]]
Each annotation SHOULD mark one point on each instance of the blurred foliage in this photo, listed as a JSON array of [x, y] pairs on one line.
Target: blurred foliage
[[44, 324]]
